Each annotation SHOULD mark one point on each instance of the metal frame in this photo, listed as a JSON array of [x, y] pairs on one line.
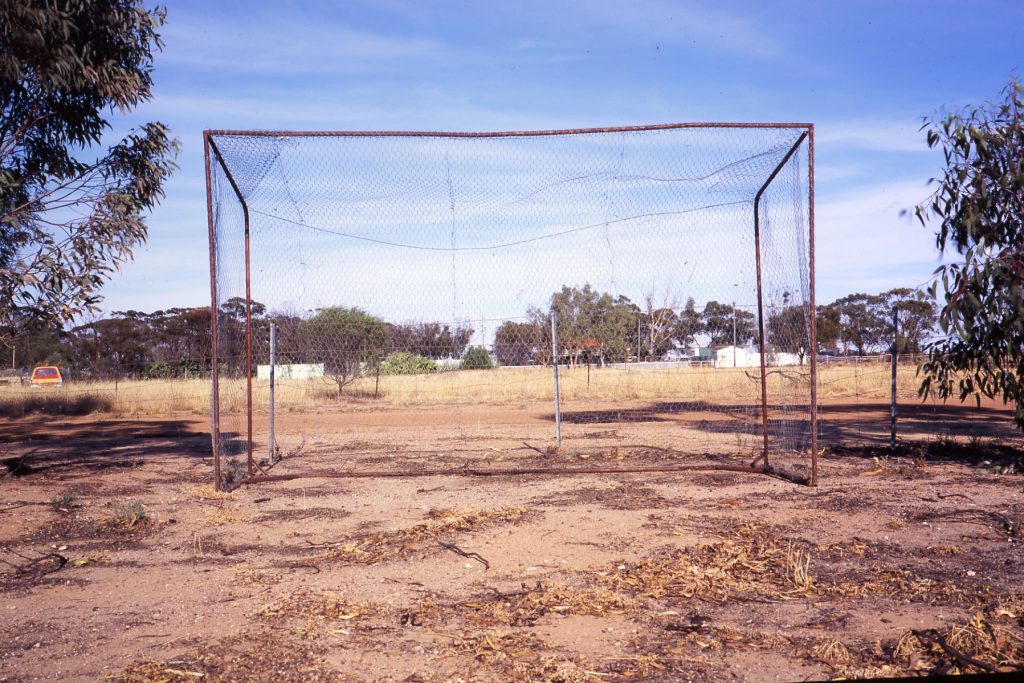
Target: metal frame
[[210, 146]]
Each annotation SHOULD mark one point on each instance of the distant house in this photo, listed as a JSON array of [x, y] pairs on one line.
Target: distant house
[[291, 371], [693, 352], [738, 357], [779, 358]]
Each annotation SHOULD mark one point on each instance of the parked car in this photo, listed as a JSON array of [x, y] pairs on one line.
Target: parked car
[[46, 376]]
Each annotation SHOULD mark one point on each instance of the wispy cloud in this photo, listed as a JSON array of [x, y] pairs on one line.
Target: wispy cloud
[[863, 244], [882, 135], [259, 44], [693, 25]]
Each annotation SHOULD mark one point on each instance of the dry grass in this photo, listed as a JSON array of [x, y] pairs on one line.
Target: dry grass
[[525, 607], [133, 397], [521, 657], [382, 546], [901, 584], [315, 608], [499, 386], [798, 568], [983, 643], [222, 515], [206, 492], [832, 652], [758, 565], [254, 657], [247, 576], [20, 402], [724, 385]]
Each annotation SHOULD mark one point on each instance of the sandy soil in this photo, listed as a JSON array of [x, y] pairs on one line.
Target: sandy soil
[[896, 563]]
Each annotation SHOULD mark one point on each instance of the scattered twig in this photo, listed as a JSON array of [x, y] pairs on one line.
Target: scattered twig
[[933, 636], [295, 452], [534, 448], [408, 583], [515, 594], [20, 505], [35, 566], [965, 517], [473, 556], [944, 496]]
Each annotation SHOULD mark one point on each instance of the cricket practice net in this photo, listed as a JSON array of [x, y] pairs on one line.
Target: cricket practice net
[[406, 303]]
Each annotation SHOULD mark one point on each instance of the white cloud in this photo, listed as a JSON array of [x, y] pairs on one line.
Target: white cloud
[[863, 245], [893, 135], [262, 44]]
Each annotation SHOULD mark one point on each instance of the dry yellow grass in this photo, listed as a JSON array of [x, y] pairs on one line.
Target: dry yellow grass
[[867, 381], [379, 546]]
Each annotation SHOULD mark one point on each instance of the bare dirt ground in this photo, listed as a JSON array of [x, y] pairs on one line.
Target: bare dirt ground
[[120, 562]]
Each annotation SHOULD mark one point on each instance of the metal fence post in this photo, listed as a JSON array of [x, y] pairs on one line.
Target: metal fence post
[[554, 364], [273, 371], [892, 406]]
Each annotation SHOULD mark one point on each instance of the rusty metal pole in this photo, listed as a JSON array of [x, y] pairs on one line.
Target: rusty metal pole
[[501, 134], [760, 290], [892, 400], [250, 461], [248, 298], [813, 312], [760, 332], [554, 363], [271, 440], [512, 472], [214, 364]]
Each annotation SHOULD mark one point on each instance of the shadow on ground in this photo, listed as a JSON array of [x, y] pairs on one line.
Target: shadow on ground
[[44, 444], [843, 428]]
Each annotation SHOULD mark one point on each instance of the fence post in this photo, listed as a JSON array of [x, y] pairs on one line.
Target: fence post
[[892, 406], [273, 372], [554, 364]]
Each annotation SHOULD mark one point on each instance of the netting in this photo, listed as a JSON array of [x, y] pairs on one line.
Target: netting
[[416, 284]]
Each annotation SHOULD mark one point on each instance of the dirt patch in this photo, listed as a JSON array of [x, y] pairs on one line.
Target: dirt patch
[[898, 563]]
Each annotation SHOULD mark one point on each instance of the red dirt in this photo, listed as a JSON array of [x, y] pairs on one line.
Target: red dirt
[[682, 576]]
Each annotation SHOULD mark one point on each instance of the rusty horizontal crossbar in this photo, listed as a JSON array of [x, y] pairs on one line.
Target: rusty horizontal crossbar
[[512, 472], [501, 134]]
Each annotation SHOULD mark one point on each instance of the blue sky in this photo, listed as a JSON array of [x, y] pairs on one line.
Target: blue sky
[[863, 72]]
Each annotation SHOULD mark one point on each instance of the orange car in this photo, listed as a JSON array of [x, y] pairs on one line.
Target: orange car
[[46, 376]]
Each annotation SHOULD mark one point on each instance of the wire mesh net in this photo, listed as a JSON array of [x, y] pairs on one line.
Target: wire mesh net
[[416, 284]]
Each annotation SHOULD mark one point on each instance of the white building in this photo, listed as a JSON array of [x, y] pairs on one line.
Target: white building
[[291, 371], [738, 357]]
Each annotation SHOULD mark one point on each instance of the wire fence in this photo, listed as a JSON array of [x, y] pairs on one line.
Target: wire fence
[[854, 401]]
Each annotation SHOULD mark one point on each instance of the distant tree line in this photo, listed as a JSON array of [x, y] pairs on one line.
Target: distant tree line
[[593, 327], [166, 343]]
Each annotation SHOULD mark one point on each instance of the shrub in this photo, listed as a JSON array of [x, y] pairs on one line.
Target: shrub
[[64, 502], [448, 364], [477, 358], [405, 363], [130, 514], [233, 473]]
